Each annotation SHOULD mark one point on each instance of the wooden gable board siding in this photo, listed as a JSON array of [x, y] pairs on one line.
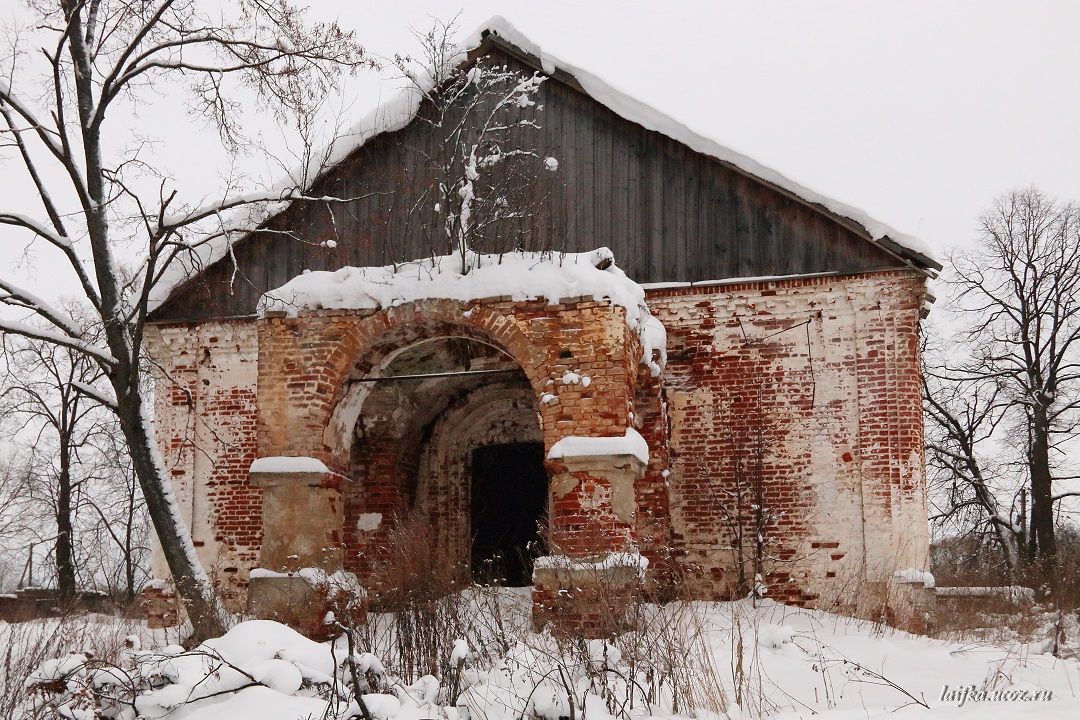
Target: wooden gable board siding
[[585, 227], [620, 171], [668, 213], [603, 178]]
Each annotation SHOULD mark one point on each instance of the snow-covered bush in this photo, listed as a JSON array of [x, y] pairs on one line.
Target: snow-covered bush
[[28, 648]]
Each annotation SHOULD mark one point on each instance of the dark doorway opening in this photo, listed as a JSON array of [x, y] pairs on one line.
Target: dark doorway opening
[[508, 505]]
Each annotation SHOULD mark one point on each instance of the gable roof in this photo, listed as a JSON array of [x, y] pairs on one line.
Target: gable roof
[[499, 33]]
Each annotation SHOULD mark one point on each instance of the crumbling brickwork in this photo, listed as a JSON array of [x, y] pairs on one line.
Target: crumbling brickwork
[[800, 397], [788, 410], [206, 409]]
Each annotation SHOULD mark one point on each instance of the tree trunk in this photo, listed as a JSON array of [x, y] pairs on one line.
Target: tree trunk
[[65, 566], [1010, 542], [1042, 546], [192, 584], [129, 560]]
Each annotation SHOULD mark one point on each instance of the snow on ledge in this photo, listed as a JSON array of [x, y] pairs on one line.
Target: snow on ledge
[[911, 575], [555, 276], [337, 581], [288, 464], [577, 446], [608, 562], [1013, 593]]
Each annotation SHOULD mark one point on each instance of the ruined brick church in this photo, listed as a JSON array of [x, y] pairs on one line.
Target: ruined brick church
[[777, 431]]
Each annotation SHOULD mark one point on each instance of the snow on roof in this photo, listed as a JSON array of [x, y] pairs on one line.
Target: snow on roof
[[402, 107]]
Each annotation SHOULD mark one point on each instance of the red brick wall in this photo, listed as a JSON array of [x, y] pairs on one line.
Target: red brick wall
[[205, 405], [809, 390], [652, 492]]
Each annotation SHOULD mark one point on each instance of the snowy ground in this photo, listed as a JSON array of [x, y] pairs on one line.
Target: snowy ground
[[769, 660]]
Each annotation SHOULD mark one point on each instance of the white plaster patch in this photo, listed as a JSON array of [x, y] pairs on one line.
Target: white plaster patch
[[367, 522]]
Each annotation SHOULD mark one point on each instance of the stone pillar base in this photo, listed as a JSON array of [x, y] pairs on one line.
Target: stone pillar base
[[912, 603], [159, 605], [301, 580], [305, 607], [902, 604], [595, 597]]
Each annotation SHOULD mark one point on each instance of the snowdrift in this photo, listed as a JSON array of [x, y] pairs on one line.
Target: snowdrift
[[763, 660]]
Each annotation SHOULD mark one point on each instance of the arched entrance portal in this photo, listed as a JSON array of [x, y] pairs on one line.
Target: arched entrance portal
[[448, 430], [387, 412]]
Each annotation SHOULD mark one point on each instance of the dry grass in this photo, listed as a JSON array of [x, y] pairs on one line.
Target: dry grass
[[415, 587]]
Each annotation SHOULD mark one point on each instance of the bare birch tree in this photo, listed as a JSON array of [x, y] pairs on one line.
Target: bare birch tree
[[91, 61], [1019, 292]]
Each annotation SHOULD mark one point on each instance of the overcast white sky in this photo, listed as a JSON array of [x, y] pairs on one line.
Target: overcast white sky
[[918, 112]]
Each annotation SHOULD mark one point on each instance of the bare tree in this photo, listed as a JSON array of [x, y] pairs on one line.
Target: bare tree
[[97, 60], [1019, 290], [16, 516], [41, 391], [116, 548], [966, 476], [480, 167]]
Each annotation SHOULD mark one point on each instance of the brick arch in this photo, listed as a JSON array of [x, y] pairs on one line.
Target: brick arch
[[389, 331], [375, 340]]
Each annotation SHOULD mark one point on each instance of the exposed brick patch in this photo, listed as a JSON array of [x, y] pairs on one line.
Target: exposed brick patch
[[159, 606], [206, 410]]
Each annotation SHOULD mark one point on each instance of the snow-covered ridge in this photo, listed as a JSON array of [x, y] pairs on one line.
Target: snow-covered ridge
[[518, 275], [401, 109]]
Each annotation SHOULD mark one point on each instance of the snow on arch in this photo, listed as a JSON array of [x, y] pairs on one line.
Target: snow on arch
[[402, 107], [554, 276]]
